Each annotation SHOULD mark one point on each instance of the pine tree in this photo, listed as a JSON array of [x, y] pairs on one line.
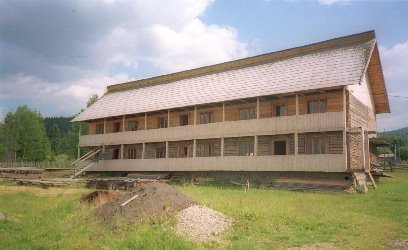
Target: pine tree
[[55, 140], [9, 142]]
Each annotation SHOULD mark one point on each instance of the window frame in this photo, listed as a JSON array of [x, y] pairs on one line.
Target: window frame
[[206, 150], [116, 127], [136, 125], [182, 120], [132, 153], [206, 117], [279, 141], [275, 106], [245, 145], [321, 141], [318, 102], [180, 151], [99, 128], [247, 114], [162, 122], [160, 152]]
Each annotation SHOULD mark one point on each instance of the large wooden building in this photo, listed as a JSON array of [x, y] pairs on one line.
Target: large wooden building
[[306, 109]]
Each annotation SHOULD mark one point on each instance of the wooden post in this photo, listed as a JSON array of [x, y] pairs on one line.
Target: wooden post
[[223, 111], [195, 148], [345, 128], [122, 149], [296, 127], [296, 143], [297, 104], [143, 150], [195, 115], [79, 135], [167, 149], [222, 146], [363, 148], [145, 121], [256, 145], [123, 124], [104, 125], [168, 118], [257, 108]]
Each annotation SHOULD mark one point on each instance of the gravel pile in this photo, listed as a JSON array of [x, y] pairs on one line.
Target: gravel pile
[[201, 223]]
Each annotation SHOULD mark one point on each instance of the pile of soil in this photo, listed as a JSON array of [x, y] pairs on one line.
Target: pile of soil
[[152, 200], [97, 198], [201, 223]]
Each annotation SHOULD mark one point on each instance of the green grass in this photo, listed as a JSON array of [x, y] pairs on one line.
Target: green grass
[[263, 219]]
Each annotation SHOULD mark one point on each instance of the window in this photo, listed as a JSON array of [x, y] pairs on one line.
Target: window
[[116, 127], [279, 148], [206, 150], [99, 128], [183, 120], [115, 153], [245, 148], [183, 150], [133, 126], [247, 114], [280, 110], [316, 106], [316, 145], [132, 153], [161, 152], [162, 123], [207, 117]]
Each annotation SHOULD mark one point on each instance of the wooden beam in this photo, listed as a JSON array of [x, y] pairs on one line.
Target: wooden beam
[[129, 200], [372, 179], [256, 145], [123, 124], [222, 146], [145, 127], [195, 115], [194, 147], [223, 111], [168, 118], [143, 150], [122, 149], [345, 127], [257, 108], [104, 126], [167, 149]]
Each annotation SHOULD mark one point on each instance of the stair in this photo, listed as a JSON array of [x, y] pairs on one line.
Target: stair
[[82, 163]]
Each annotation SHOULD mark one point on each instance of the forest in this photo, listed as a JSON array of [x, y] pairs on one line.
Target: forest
[[28, 137]]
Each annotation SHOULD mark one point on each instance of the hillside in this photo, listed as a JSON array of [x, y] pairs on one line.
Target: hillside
[[400, 131]]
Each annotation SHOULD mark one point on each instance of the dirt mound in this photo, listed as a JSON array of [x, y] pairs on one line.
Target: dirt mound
[[97, 198], [201, 223], [144, 202]]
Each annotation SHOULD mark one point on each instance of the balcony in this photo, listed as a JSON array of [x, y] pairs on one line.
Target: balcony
[[317, 163], [329, 121]]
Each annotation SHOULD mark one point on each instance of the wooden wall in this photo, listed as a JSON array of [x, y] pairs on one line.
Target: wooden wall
[[151, 149], [140, 120], [334, 101], [175, 117], [266, 143], [267, 108], [359, 115], [354, 154], [152, 120], [231, 144], [174, 148], [217, 111], [216, 142], [139, 150], [232, 111], [333, 139]]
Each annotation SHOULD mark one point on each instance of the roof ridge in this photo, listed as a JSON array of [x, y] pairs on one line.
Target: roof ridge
[[246, 62]]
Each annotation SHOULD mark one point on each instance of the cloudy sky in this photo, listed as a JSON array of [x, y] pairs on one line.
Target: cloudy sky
[[55, 54]]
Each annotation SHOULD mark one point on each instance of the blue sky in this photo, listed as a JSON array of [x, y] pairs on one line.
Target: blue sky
[[60, 52]]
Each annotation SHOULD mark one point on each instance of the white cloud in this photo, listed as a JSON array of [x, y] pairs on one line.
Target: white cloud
[[395, 64], [332, 2], [59, 52]]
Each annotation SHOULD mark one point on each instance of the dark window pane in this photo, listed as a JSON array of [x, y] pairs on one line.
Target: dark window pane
[[316, 106], [309, 146], [310, 107], [322, 146], [322, 106]]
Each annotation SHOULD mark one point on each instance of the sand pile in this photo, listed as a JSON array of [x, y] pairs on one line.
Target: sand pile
[[201, 223], [97, 198], [149, 201]]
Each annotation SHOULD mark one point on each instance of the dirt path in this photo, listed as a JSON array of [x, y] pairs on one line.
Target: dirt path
[[38, 190]]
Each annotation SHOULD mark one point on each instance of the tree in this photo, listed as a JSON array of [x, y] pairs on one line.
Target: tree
[[70, 141], [9, 142], [92, 100], [29, 133], [55, 139], [403, 153]]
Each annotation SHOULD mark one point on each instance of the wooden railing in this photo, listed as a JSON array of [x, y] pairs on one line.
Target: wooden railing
[[44, 164]]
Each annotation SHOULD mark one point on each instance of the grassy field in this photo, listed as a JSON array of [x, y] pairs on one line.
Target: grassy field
[[263, 219]]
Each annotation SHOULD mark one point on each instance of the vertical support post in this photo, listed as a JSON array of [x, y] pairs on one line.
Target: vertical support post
[[144, 150], [122, 151], [296, 143], [167, 149], [104, 125], [257, 108], [79, 135], [123, 124], [297, 104], [195, 115], [195, 148], [168, 118], [345, 128], [222, 146], [256, 145], [223, 111], [145, 127], [363, 148]]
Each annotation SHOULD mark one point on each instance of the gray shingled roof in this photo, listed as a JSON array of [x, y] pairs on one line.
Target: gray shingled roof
[[328, 68]]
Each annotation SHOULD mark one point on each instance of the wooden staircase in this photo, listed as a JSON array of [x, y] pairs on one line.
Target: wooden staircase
[[82, 163]]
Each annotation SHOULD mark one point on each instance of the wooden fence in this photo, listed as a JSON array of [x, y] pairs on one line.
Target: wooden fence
[[44, 164]]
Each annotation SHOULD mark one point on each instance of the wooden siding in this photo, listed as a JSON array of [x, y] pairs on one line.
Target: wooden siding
[[175, 117], [354, 154], [310, 163], [153, 120], [266, 144], [217, 111], [267, 108], [334, 101], [139, 150], [140, 120], [151, 149], [174, 148], [231, 144], [232, 111], [216, 142], [334, 141], [359, 115]]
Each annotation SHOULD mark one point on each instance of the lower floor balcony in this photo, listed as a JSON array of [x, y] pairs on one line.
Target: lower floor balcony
[[301, 162]]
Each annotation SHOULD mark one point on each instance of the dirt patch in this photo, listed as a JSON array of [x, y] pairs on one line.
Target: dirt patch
[[38, 190], [150, 200], [399, 244], [201, 223], [317, 246], [97, 198]]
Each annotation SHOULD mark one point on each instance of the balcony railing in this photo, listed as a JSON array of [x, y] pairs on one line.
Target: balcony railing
[[330, 121]]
